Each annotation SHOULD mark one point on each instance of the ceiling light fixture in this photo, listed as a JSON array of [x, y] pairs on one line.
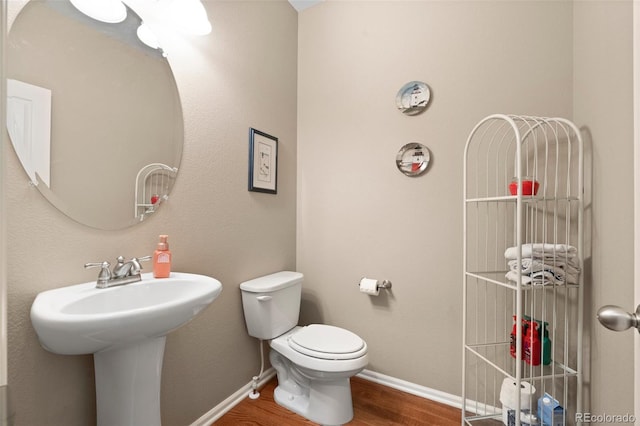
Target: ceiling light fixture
[[110, 11]]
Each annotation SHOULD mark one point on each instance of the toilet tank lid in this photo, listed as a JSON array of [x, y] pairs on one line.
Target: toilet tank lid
[[272, 282]]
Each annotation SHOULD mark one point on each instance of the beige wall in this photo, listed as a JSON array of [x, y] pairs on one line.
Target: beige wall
[[241, 75], [603, 104], [357, 214]]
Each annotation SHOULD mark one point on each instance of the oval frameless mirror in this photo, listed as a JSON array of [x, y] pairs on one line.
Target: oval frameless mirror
[[94, 114]]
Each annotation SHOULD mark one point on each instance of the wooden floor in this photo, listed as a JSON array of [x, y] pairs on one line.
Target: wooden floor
[[373, 405]]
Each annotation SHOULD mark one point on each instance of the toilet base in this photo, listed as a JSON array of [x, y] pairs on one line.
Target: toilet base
[[327, 402]]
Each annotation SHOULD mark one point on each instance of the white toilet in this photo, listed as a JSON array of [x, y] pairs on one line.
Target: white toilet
[[313, 363]]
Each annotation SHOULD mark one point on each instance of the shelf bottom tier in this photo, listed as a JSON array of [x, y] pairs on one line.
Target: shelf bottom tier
[[489, 420]]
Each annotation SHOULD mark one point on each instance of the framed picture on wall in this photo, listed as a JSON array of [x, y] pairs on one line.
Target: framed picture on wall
[[263, 162]]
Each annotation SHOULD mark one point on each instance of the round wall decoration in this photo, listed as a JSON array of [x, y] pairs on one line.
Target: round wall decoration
[[413, 159], [413, 97]]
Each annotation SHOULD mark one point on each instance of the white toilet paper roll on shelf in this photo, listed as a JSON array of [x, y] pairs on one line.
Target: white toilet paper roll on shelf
[[509, 396], [369, 286]]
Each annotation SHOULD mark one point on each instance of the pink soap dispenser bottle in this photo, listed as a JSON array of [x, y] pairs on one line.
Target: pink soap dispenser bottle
[[162, 259]]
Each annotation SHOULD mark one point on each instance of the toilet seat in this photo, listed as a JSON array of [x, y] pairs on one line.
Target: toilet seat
[[352, 364], [327, 342]]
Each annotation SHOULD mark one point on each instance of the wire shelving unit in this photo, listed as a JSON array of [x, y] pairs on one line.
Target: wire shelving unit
[[522, 263]]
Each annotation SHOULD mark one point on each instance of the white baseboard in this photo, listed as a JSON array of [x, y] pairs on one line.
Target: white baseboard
[[221, 409], [428, 393], [422, 391], [412, 388]]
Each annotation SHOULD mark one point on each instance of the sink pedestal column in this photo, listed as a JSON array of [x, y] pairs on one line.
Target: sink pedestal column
[[128, 383]]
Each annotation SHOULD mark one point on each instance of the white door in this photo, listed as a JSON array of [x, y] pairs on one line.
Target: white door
[[613, 317], [636, 131]]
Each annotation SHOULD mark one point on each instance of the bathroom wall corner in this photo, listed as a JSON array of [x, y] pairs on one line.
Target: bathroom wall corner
[[4, 141]]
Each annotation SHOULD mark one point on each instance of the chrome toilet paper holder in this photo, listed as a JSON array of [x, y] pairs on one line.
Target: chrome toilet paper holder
[[386, 284]]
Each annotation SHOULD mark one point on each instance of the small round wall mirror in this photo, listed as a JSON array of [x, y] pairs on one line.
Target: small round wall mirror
[[413, 159], [413, 97]]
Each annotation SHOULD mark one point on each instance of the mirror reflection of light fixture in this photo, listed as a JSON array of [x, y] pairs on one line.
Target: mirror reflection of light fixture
[[185, 16], [147, 36], [110, 11], [188, 16]]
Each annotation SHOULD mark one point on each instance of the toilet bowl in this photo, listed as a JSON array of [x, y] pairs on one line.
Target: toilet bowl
[[313, 363]]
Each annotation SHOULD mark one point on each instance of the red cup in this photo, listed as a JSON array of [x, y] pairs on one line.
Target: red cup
[[529, 187]]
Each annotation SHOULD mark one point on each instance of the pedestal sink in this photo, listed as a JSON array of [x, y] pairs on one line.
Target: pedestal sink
[[125, 328]]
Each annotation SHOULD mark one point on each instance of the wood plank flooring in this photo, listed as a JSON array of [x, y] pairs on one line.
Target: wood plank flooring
[[373, 405]]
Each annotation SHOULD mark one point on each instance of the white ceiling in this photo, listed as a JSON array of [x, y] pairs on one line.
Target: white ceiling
[[300, 5]]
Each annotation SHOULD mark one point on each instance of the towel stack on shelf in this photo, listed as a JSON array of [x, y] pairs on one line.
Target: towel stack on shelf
[[543, 264]]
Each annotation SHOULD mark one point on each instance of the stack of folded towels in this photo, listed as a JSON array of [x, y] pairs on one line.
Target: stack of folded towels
[[543, 264]]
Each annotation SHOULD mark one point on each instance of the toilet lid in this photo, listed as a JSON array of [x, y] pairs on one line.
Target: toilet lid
[[327, 342]]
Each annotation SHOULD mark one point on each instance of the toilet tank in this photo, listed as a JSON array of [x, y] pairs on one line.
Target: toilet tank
[[271, 304]]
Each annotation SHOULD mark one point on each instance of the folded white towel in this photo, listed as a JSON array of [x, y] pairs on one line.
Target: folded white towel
[[536, 278], [543, 263], [562, 271], [542, 250]]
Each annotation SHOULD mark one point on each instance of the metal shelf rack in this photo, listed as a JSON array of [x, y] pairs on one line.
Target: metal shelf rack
[[503, 151], [153, 183]]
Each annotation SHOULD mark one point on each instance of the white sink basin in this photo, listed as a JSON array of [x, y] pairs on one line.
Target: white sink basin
[[81, 319], [125, 327]]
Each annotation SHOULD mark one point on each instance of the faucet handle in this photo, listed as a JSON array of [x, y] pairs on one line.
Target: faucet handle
[[104, 264], [135, 262], [104, 274]]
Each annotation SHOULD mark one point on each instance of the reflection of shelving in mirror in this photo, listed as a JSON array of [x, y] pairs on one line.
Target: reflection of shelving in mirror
[[153, 183]]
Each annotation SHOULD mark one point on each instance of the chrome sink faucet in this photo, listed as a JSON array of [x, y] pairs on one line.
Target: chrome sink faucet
[[123, 272]]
